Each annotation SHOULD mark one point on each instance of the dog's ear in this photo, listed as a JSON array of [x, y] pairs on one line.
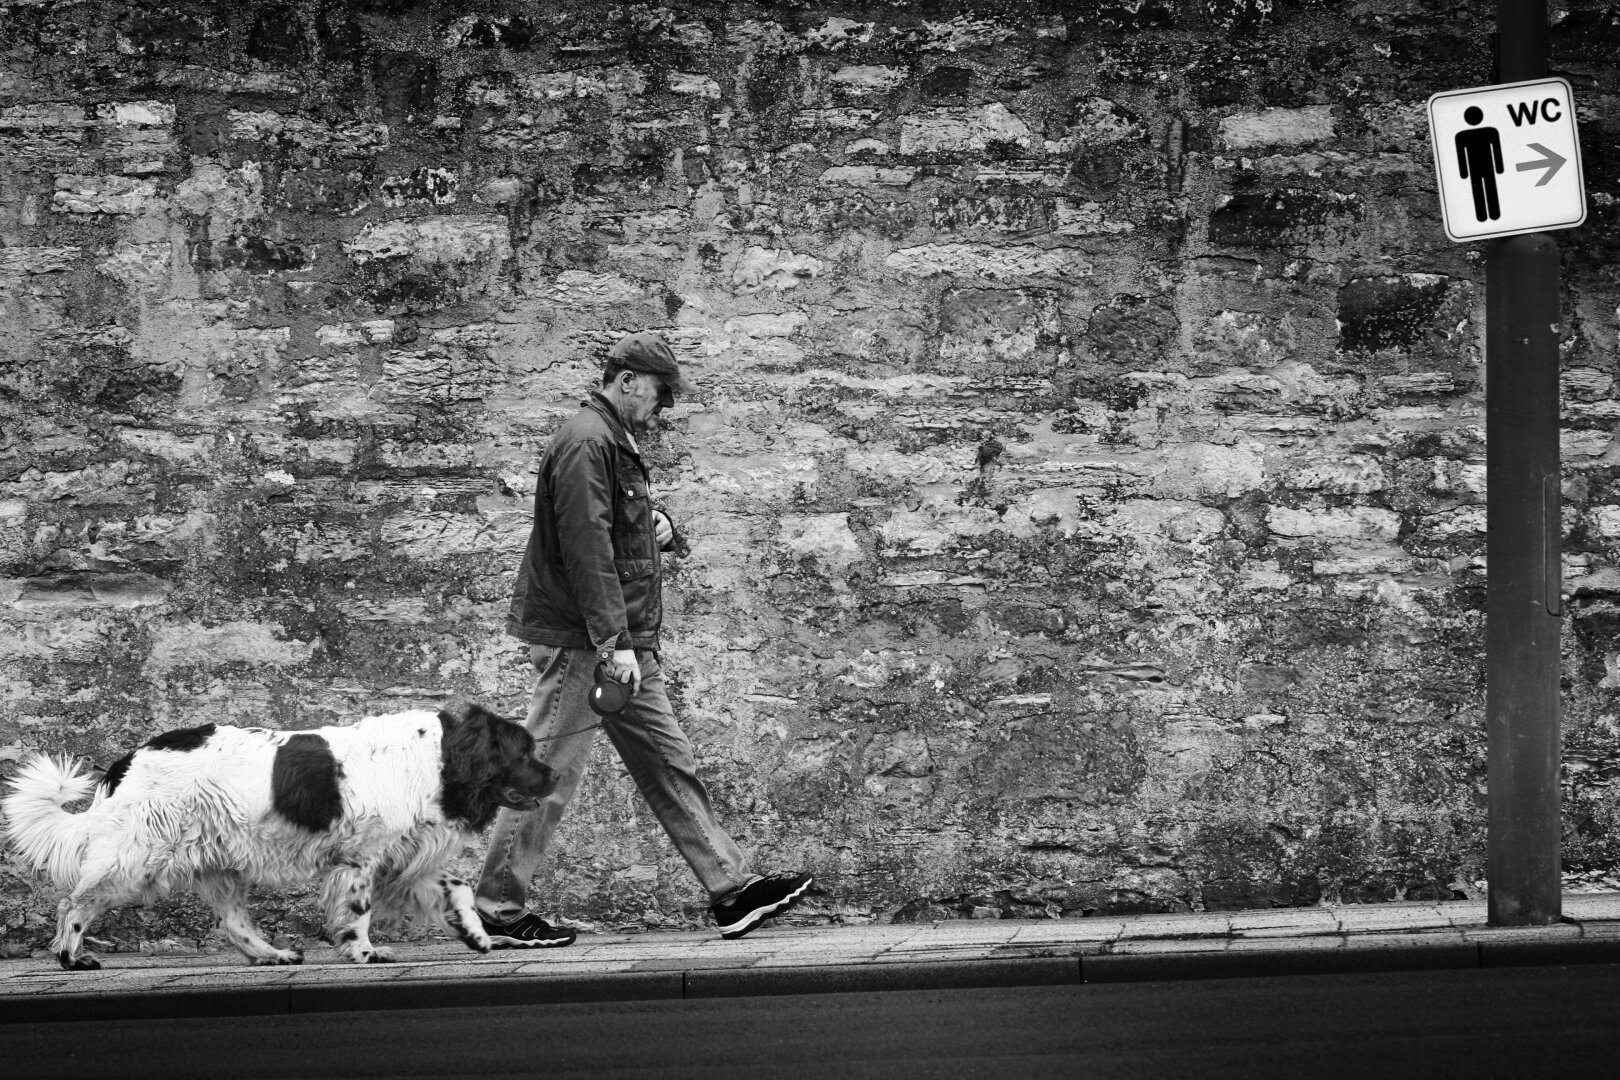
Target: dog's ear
[[454, 712], [458, 713]]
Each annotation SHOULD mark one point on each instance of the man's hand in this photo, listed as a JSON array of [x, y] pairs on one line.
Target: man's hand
[[625, 668], [665, 531]]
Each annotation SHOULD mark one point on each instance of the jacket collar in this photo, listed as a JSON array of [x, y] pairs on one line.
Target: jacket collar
[[599, 402]]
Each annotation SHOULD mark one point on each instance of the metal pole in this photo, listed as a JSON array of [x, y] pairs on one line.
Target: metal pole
[[1523, 574]]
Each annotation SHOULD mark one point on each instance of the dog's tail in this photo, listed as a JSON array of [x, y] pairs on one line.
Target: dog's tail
[[38, 822]]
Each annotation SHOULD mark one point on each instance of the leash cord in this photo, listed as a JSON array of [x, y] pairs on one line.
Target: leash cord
[[565, 734]]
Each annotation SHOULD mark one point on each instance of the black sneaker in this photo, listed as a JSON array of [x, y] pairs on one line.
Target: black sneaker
[[758, 901], [528, 931]]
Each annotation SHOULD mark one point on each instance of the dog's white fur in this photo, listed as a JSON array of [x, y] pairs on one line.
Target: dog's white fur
[[203, 819]]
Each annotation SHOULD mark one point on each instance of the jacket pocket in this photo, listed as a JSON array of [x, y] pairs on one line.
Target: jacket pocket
[[633, 535], [633, 569]]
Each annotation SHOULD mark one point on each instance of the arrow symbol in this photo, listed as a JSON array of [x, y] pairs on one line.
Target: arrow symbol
[[1551, 160]]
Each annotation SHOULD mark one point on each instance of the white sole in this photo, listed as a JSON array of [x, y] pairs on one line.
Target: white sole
[[508, 943], [499, 941]]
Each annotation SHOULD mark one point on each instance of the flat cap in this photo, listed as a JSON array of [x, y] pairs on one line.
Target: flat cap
[[648, 352]]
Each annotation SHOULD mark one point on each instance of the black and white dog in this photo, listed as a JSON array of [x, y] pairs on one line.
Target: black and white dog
[[375, 808]]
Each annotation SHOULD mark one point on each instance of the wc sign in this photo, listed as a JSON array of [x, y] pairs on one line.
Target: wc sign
[[1507, 159]]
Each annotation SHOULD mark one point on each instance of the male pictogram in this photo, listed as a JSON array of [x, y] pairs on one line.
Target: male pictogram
[[1479, 156]]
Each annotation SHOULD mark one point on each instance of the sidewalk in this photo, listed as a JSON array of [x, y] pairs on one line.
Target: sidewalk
[[787, 959]]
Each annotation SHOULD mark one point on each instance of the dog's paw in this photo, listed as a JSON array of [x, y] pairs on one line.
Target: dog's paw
[[279, 958], [376, 956]]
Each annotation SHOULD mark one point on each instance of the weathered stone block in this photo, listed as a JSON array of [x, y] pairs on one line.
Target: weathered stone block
[[1133, 330], [1285, 216], [322, 189], [834, 118], [1389, 312], [437, 535], [693, 84], [1277, 127], [998, 213], [373, 332], [861, 79], [1071, 218], [456, 255], [953, 131], [864, 213], [586, 288], [435, 187], [1203, 470], [56, 641], [131, 137], [254, 254], [990, 325], [1350, 523], [961, 33], [489, 32], [1355, 474], [1008, 263], [774, 268], [438, 376], [1247, 338], [16, 262], [868, 175], [826, 538], [303, 135], [184, 644], [104, 195]]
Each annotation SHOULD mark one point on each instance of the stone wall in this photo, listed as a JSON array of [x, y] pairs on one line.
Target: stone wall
[[1087, 495]]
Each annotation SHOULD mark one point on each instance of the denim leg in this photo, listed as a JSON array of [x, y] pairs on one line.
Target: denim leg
[[659, 758], [518, 842]]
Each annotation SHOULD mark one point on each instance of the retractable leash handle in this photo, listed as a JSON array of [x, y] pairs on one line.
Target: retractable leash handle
[[608, 695]]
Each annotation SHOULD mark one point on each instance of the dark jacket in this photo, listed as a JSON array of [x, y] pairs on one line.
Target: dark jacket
[[591, 575]]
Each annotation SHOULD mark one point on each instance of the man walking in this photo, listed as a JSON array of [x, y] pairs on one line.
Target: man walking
[[589, 592]]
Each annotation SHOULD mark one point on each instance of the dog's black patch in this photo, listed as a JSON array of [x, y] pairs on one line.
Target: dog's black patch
[[304, 783], [115, 772], [183, 741]]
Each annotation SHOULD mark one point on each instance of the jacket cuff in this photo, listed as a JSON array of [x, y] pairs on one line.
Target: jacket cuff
[[615, 641]]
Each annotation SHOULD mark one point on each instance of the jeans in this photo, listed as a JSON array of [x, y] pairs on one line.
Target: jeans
[[653, 748]]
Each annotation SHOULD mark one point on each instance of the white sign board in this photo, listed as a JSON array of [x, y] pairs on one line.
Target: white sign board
[[1507, 159]]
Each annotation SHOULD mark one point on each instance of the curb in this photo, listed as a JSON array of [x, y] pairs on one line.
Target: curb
[[1096, 969]]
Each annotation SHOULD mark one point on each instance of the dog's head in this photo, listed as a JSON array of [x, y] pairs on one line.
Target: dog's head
[[486, 762]]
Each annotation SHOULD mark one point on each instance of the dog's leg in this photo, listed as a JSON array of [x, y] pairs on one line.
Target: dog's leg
[[460, 915], [347, 893], [227, 893], [73, 918], [94, 895]]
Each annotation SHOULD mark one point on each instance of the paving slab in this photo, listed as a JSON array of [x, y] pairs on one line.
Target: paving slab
[[1375, 918], [1190, 925], [1069, 930], [1496, 935], [1283, 922]]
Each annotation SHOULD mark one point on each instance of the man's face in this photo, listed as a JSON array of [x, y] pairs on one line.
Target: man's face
[[645, 397]]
